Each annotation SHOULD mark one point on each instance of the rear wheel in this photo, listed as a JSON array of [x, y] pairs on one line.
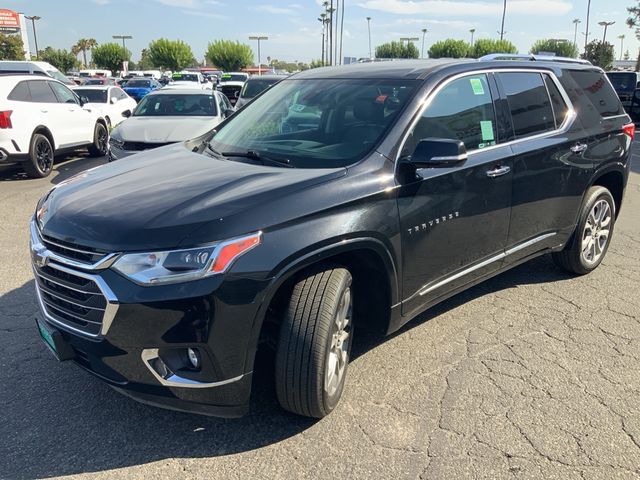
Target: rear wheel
[[592, 237], [315, 343], [41, 156], [100, 144]]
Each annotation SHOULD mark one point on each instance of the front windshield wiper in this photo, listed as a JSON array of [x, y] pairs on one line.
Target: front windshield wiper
[[255, 155]]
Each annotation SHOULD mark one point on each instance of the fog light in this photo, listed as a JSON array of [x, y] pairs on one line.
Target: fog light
[[194, 357]]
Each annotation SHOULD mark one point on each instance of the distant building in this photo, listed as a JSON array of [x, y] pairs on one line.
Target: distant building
[[624, 65]]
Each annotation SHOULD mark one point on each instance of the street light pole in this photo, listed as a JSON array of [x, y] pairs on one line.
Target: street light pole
[[124, 48], [369, 28], [621, 37], [576, 21], [424, 33], [33, 19], [504, 13], [586, 27], [258, 38], [605, 25], [472, 31]]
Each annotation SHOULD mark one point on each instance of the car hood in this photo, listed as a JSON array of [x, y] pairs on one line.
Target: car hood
[[163, 129], [156, 199]]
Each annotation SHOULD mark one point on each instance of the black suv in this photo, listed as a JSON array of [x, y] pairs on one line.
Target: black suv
[[398, 185]]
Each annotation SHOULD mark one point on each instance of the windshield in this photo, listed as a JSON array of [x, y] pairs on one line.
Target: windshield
[[623, 80], [232, 77], [59, 76], [93, 95], [254, 87], [184, 77], [323, 123], [176, 105], [138, 83]]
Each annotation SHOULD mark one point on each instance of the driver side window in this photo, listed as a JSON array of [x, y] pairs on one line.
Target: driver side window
[[462, 110], [63, 94]]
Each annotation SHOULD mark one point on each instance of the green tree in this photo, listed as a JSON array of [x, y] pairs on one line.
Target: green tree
[[83, 45], [62, 59], [600, 54], [11, 47], [316, 64], [145, 63], [634, 22], [228, 55], [173, 55], [449, 48], [562, 48], [110, 56], [486, 46], [397, 50]]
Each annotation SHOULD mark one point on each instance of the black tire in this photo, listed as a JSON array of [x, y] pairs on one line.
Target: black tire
[[41, 157], [100, 145], [309, 339], [572, 258]]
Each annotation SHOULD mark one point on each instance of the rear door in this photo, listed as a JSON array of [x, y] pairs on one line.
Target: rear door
[[455, 220], [54, 115]]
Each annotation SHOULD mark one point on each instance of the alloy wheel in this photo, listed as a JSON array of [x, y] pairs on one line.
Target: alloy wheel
[[340, 347], [44, 155], [597, 231]]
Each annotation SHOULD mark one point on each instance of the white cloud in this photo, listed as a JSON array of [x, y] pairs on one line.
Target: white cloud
[[291, 9], [483, 8]]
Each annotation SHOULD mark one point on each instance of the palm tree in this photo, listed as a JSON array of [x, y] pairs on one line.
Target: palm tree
[[83, 45]]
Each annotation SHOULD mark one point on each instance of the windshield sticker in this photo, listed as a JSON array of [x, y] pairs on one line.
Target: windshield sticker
[[486, 127], [476, 85]]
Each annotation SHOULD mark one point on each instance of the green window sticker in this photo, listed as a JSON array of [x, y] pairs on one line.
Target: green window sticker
[[486, 127], [476, 85]]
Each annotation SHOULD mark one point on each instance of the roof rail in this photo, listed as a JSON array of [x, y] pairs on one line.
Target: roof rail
[[531, 57]]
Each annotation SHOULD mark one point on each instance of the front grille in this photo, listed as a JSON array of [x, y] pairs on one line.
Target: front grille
[[73, 251], [140, 146], [72, 300]]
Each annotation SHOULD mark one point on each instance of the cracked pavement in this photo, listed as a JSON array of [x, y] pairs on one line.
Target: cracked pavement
[[533, 374]]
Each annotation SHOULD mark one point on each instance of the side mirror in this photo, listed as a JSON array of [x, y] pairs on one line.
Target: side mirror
[[126, 113], [83, 100], [228, 112], [113, 100], [438, 152]]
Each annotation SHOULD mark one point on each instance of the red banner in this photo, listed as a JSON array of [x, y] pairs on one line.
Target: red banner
[[9, 21]]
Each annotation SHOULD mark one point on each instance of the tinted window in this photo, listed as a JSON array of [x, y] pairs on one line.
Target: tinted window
[[594, 87], [462, 110], [528, 102], [20, 93], [557, 102], [176, 105], [254, 87], [623, 81], [63, 93], [41, 92], [92, 94]]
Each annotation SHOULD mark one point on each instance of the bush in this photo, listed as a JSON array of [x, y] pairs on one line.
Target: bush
[[11, 47], [397, 50], [562, 48], [486, 46], [449, 48], [600, 54], [229, 56], [62, 59]]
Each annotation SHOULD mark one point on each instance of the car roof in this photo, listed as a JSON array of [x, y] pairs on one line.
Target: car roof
[[421, 69], [181, 91], [19, 77], [267, 77]]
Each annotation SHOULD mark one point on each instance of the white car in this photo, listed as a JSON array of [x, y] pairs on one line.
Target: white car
[[40, 117], [231, 84], [168, 116], [113, 103], [189, 80]]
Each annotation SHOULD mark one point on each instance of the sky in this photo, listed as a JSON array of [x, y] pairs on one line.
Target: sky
[[295, 33]]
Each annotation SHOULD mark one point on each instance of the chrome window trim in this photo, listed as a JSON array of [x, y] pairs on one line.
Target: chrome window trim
[[568, 122], [150, 354]]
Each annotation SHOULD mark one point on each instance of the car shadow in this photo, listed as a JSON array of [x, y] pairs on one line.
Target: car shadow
[[65, 166], [58, 420]]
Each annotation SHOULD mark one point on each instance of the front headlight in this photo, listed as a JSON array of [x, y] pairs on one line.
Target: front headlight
[[175, 266]]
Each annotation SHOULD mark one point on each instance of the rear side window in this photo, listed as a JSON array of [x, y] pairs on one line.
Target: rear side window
[[462, 110], [529, 103], [41, 92], [20, 93], [560, 107], [596, 89]]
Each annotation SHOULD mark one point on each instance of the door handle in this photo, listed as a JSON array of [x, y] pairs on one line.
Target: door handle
[[43, 110], [498, 172], [579, 147]]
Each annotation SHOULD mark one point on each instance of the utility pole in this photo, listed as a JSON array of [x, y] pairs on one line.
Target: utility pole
[[341, 58], [504, 13], [323, 20], [123, 38], [621, 37], [259, 38], [586, 27], [472, 31], [33, 19], [331, 10], [605, 25], [424, 33], [369, 28], [576, 21]]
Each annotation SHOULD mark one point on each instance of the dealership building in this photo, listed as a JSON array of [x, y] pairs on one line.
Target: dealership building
[[13, 23]]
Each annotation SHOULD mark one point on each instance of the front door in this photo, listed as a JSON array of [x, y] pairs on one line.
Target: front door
[[455, 220]]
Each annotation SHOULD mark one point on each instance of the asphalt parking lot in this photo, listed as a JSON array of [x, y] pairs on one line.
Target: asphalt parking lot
[[533, 374]]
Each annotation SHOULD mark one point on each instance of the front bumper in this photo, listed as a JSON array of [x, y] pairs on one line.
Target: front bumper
[[137, 348]]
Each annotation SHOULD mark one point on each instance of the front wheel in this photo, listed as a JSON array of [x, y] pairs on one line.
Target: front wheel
[[100, 144], [590, 242], [315, 343]]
